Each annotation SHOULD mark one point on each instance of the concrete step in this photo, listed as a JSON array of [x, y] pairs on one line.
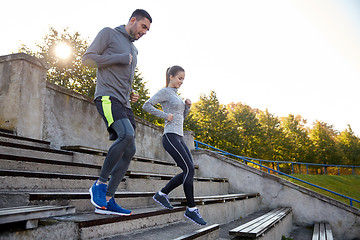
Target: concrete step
[[32, 160], [154, 182], [94, 226], [142, 164], [23, 150], [13, 138], [177, 231], [138, 163], [201, 200], [129, 200], [81, 200], [11, 180], [24, 163], [301, 232]]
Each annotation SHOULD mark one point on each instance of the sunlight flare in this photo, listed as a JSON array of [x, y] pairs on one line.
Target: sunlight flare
[[63, 51]]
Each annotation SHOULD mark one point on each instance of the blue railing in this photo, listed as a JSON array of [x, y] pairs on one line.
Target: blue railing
[[250, 160]]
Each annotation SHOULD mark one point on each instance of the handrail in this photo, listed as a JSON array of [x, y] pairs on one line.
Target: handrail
[[246, 159]]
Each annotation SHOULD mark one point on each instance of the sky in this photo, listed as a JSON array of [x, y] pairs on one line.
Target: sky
[[299, 57]]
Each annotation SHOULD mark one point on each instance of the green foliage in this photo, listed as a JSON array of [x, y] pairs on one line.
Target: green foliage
[[297, 144], [69, 72], [245, 128], [239, 129], [272, 136], [349, 145], [211, 121], [323, 138]]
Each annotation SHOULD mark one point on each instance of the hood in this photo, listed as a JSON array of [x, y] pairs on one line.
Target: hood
[[123, 31]]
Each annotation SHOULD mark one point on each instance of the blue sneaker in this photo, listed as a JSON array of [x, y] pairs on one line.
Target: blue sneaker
[[113, 209], [194, 216], [163, 200], [98, 195]]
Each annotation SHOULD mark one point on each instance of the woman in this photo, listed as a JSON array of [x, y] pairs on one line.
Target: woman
[[174, 112]]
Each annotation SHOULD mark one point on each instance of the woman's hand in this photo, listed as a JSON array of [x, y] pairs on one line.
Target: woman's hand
[[170, 117], [188, 102]]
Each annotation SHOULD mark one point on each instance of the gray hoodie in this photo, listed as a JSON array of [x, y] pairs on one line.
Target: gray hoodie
[[110, 53]]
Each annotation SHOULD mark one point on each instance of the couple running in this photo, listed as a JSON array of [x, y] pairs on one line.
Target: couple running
[[115, 56]]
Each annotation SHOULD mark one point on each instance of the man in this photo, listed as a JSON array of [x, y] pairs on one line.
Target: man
[[115, 56]]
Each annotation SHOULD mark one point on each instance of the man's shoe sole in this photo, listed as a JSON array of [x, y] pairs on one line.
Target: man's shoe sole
[[107, 212]]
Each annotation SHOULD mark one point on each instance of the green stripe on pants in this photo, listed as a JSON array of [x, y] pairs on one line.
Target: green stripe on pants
[[106, 105]]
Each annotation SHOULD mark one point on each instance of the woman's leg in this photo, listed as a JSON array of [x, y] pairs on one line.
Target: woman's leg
[[175, 146]]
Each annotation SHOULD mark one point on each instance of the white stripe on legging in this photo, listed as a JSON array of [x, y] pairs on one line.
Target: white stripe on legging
[[187, 172]]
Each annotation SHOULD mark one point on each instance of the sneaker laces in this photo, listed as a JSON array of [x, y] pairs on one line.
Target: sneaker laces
[[198, 213], [166, 197]]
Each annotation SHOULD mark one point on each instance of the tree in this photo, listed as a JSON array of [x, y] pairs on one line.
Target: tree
[[349, 145], [272, 137], [323, 138], [67, 72], [245, 129], [208, 121], [298, 145]]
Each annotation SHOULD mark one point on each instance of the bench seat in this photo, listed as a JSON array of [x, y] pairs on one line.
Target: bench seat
[[322, 231], [260, 225], [31, 214]]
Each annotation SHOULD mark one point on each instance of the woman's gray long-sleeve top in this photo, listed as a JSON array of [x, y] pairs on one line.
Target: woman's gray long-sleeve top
[[170, 103]]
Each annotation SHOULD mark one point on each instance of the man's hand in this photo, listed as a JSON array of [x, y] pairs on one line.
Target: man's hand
[[188, 102], [134, 96]]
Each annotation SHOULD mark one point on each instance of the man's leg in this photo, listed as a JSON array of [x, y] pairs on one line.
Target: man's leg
[[120, 169], [125, 133]]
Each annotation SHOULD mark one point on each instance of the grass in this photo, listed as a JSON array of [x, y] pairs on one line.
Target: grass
[[348, 185]]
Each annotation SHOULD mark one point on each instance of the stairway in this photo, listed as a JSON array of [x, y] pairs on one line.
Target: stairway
[[33, 174]]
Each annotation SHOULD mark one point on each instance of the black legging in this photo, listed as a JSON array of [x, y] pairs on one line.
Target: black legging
[[176, 147], [120, 153]]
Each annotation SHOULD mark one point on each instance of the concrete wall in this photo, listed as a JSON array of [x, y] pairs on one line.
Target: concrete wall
[[308, 206], [36, 108], [22, 87]]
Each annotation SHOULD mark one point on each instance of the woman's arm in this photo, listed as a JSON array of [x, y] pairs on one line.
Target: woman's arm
[[150, 103]]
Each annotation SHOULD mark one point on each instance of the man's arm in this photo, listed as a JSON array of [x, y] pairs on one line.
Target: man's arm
[[94, 57]]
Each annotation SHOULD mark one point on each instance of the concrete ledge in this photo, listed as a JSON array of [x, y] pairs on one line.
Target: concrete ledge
[[23, 56]]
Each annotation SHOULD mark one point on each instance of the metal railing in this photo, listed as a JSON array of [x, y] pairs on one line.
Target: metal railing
[[251, 160]]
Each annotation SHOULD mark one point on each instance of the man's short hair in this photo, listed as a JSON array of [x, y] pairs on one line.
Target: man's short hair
[[140, 14]]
